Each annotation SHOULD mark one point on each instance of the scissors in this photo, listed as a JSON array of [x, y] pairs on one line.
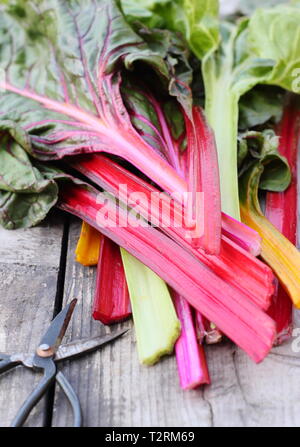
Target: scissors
[[47, 354]]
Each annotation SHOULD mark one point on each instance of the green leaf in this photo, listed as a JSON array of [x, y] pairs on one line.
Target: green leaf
[[17, 174], [62, 52], [261, 105], [263, 163], [249, 6], [148, 115], [275, 34], [26, 210], [63, 63], [142, 112], [142, 11], [195, 19], [174, 51], [28, 189], [26, 194]]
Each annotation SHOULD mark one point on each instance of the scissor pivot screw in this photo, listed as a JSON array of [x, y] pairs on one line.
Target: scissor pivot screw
[[45, 351], [44, 347]]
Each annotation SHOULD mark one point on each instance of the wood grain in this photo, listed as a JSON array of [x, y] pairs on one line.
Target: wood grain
[[29, 261]]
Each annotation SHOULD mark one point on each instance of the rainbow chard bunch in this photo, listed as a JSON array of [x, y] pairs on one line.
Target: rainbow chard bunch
[[100, 116]]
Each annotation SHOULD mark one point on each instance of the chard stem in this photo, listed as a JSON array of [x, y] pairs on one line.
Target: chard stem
[[221, 109]]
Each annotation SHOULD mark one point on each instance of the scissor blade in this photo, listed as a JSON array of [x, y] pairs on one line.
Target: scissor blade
[[58, 327], [78, 348]]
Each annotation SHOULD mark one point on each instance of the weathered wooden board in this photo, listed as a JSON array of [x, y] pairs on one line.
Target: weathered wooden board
[[116, 391], [29, 261]]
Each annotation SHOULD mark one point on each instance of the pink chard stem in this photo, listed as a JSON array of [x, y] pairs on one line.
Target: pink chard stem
[[203, 177], [190, 355], [111, 302], [231, 310], [233, 264]]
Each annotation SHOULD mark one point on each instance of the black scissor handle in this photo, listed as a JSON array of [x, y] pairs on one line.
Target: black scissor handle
[[49, 368], [50, 375], [6, 363], [72, 398]]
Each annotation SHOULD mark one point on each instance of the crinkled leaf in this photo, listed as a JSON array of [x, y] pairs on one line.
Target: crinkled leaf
[[28, 189], [142, 11], [263, 163], [232, 66], [174, 51], [250, 6], [61, 52], [197, 20], [63, 63], [26, 194], [275, 34], [26, 210], [261, 105], [17, 173]]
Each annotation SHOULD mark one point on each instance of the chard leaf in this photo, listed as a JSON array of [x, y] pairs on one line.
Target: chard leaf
[[263, 163], [195, 19], [143, 114], [142, 11], [275, 34], [160, 123], [27, 190], [63, 64], [66, 53], [26, 210], [261, 105], [17, 173], [174, 51], [30, 192], [250, 6]]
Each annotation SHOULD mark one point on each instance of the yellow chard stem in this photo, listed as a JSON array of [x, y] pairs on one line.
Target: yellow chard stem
[[277, 251], [88, 246], [281, 255]]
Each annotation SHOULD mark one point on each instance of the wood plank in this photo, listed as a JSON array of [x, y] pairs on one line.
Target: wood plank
[[115, 390], [29, 261]]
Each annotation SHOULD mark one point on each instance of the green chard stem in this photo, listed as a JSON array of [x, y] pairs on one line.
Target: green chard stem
[[156, 324], [221, 107]]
